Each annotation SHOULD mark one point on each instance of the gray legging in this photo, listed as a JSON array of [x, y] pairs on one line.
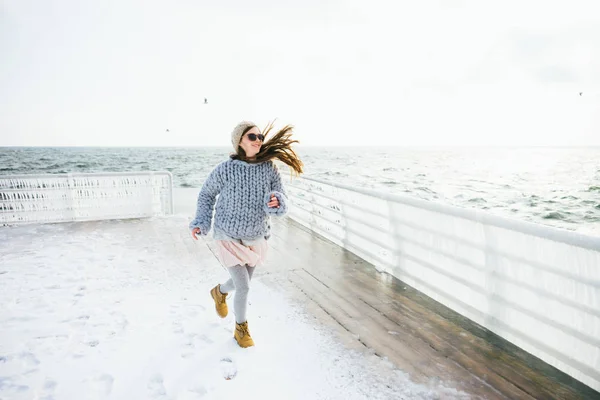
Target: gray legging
[[240, 282]]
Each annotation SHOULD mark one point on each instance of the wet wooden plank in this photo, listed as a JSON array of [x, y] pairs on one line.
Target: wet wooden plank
[[477, 350], [354, 323], [404, 321], [449, 339], [392, 306], [414, 357]]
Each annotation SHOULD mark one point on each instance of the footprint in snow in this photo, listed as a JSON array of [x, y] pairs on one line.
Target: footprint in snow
[[228, 368], [156, 386]]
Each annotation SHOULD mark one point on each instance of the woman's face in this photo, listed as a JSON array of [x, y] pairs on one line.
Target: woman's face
[[251, 147]]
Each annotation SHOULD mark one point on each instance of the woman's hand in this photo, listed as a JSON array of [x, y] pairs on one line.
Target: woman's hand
[[274, 203], [195, 231]]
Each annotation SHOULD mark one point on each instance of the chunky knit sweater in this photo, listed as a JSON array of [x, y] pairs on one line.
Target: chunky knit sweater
[[243, 191]]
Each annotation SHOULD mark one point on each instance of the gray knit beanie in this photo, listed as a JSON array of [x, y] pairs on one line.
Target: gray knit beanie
[[237, 133]]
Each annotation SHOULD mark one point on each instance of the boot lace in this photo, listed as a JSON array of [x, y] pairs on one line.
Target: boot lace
[[243, 329], [222, 297]]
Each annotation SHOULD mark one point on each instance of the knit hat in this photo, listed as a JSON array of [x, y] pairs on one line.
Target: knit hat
[[237, 133]]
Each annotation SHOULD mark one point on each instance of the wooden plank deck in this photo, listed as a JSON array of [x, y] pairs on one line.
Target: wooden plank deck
[[381, 314]]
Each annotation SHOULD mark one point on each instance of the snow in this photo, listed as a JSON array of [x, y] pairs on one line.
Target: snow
[[121, 310]]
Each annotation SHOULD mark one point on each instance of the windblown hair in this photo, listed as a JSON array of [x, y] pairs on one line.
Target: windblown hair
[[279, 147]]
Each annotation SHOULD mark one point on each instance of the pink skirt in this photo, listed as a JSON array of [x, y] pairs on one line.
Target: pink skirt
[[234, 253]]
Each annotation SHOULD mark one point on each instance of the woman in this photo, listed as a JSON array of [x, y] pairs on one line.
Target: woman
[[249, 191]]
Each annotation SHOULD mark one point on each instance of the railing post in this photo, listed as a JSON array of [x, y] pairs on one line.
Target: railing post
[[70, 197]]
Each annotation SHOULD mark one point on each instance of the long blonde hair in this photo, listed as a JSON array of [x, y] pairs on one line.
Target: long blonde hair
[[279, 147]]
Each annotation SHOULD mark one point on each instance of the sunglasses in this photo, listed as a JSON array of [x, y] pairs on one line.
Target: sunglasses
[[254, 136]]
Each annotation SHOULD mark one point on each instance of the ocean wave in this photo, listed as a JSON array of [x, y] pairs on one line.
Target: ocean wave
[[593, 189], [425, 189], [555, 215], [53, 166], [334, 173], [477, 200]]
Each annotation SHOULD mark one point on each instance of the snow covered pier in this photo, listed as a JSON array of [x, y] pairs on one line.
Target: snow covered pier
[[119, 309]]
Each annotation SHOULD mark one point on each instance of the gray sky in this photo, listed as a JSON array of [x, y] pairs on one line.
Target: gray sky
[[427, 72]]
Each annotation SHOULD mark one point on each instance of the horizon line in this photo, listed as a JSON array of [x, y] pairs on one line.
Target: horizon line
[[314, 145]]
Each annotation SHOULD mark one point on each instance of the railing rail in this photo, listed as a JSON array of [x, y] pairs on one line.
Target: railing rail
[[536, 286], [84, 196]]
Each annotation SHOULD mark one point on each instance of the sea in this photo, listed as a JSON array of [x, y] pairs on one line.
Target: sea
[[556, 186]]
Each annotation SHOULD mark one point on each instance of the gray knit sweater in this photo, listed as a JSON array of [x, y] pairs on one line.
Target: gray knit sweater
[[243, 191]]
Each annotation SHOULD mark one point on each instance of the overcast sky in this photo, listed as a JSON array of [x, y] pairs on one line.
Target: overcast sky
[[421, 72]]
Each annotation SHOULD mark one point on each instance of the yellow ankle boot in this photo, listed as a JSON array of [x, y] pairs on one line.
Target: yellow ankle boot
[[219, 298], [242, 335]]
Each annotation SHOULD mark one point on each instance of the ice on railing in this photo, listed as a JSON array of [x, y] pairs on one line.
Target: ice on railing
[[536, 286], [79, 197]]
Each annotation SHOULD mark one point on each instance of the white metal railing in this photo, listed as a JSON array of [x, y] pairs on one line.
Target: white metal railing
[[536, 286], [84, 197]]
